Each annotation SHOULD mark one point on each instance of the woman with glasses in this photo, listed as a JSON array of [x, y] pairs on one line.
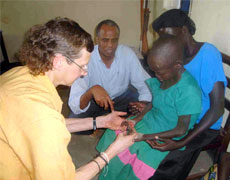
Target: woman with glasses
[[34, 135]]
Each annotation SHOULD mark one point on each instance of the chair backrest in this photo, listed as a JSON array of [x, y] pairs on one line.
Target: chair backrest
[[226, 139]]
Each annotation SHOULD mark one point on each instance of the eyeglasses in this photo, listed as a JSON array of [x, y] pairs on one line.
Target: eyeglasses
[[83, 67]]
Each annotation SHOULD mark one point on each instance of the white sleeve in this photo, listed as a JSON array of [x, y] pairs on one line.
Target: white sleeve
[[138, 77], [78, 88]]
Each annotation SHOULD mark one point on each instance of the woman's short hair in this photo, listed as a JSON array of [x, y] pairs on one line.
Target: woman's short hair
[[174, 18], [59, 35]]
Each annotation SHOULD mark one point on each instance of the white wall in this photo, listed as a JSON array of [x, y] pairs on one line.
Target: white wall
[[18, 16]]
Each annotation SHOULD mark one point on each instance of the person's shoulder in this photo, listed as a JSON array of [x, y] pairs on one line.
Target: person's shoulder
[[94, 55], [125, 49], [95, 50], [153, 82], [187, 81], [210, 47]]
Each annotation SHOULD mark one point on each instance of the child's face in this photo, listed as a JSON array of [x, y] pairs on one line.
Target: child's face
[[163, 71]]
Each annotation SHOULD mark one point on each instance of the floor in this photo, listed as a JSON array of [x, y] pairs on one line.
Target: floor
[[82, 147]]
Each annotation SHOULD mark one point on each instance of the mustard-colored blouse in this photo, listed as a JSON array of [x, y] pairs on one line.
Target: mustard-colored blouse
[[33, 134]]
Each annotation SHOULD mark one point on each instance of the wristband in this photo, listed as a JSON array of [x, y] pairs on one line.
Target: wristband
[[94, 123]]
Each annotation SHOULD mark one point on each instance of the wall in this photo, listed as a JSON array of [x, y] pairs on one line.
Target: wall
[[18, 16]]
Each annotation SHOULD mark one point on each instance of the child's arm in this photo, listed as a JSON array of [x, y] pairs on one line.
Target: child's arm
[[179, 130], [141, 115]]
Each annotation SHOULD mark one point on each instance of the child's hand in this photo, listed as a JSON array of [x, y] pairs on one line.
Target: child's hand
[[153, 143], [127, 125], [137, 107]]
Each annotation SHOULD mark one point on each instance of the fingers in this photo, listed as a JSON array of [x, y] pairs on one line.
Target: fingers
[[120, 113], [111, 104], [106, 102]]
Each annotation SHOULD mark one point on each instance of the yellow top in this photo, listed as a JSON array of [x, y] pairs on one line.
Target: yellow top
[[33, 135]]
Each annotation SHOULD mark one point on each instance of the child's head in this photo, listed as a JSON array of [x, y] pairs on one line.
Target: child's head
[[166, 58]]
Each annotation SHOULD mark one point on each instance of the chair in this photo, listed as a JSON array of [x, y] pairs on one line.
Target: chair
[[5, 65]]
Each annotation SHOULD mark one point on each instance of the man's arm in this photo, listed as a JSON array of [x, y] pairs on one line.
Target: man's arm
[[81, 95], [215, 111], [100, 95], [78, 88], [137, 78]]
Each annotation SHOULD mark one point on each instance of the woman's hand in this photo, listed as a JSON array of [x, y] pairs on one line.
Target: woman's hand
[[122, 142], [112, 121]]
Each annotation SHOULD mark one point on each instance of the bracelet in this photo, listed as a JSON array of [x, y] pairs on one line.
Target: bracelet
[[106, 163], [106, 156], [94, 123], [97, 165]]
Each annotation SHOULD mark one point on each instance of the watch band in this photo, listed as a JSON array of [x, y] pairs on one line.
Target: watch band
[[94, 123]]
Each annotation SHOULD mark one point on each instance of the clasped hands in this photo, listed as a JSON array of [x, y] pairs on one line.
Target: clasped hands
[[114, 121]]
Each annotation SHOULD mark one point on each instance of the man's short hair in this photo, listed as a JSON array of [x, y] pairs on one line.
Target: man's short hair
[[108, 22], [174, 18]]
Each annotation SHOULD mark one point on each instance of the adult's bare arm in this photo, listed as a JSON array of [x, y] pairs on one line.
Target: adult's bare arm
[[100, 95], [215, 111], [89, 170], [112, 121]]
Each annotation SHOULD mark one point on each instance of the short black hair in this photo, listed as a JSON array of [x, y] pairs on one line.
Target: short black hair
[[174, 18], [169, 47], [108, 22]]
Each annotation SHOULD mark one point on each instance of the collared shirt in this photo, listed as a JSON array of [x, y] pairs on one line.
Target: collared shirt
[[124, 70], [34, 137]]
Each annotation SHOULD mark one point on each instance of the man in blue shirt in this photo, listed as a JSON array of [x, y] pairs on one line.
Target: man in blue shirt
[[111, 71]]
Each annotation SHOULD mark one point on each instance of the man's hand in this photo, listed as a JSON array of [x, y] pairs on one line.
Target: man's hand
[[101, 97], [113, 120], [166, 145], [137, 107]]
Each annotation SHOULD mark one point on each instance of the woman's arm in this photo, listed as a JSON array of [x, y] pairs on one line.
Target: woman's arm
[[112, 121], [89, 170]]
